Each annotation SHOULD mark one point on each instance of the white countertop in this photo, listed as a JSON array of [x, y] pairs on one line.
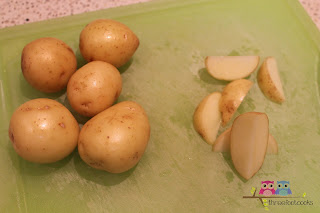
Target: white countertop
[[15, 12]]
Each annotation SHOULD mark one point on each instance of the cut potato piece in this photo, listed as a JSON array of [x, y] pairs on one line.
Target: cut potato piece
[[272, 145], [231, 68], [269, 80], [222, 144], [248, 142], [231, 98], [207, 117]]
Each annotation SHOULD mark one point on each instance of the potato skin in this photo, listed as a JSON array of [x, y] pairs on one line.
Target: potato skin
[[266, 84], [94, 88], [47, 64], [43, 131], [115, 139], [108, 40], [231, 98]]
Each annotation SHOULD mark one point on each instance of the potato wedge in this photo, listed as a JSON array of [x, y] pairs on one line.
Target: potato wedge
[[222, 144], [207, 117], [231, 98], [248, 142], [272, 145], [269, 80], [231, 68]]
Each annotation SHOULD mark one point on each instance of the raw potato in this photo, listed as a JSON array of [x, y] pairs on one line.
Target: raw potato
[[222, 144], [94, 88], [47, 64], [43, 131], [269, 80], [231, 68], [272, 145], [231, 98], [108, 40], [207, 117], [115, 139], [248, 142]]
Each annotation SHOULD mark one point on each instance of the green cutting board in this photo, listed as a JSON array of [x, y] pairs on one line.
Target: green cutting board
[[179, 172]]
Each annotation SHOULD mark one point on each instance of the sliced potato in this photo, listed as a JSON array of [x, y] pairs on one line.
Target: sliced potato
[[230, 68], [272, 145], [248, 142], [207, 117], [269, 80], [231, 98], [222, 144]]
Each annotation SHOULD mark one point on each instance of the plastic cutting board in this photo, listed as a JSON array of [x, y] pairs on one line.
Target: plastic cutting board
[[179, 172]]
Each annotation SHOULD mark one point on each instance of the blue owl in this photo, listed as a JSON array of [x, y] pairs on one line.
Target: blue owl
[[283, 188]]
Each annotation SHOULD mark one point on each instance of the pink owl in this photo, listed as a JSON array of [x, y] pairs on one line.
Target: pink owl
[[267, 188]]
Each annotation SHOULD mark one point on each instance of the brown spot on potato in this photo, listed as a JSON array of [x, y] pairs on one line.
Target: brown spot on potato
[[136, 156], [86, 104], [11, 136], [62, 125], [62, 74]]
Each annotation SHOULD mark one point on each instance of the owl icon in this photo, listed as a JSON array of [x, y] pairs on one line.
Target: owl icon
[[267, 188], [283, 188]]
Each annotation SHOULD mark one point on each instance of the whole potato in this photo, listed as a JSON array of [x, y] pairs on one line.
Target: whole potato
[[43, 131], [47, 64], [94, 88], [108, 40], [115, 139]]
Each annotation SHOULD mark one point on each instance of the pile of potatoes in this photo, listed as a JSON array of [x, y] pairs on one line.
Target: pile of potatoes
[[44, 131]]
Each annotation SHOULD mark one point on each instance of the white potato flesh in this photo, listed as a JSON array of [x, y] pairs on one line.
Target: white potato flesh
[[232, 96], [231, 68], [207, 117], [269, 80], [248, 142], [222, 144]]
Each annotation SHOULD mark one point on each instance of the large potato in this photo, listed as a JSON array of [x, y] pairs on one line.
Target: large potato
[[94, 88], [47, 64], [43, 131], [115, 139], [108, 40]]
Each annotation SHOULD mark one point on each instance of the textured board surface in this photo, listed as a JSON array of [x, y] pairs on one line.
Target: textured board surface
[[179, 172]]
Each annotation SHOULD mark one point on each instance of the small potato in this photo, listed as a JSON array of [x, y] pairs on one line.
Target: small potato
[[115, 139], [47, 64], [94, 88], [108, 40], [43, 131]]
